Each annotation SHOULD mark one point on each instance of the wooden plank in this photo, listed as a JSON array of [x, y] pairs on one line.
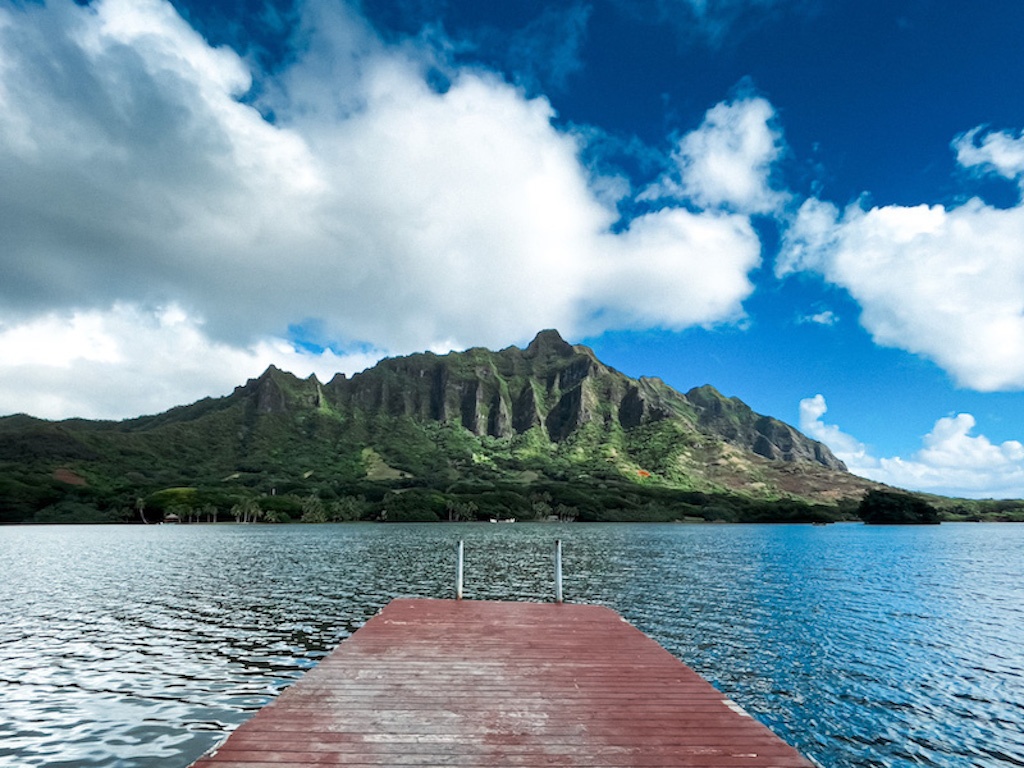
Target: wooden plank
[[493, 684]]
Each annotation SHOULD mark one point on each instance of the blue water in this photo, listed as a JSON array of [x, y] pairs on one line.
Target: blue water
[[862, 646]]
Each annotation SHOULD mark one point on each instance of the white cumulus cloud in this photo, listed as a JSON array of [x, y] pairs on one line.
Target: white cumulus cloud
[[381, 211], [727, 162], [944, 283], [951, 460]]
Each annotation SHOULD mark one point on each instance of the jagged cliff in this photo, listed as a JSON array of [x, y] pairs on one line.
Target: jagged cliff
[[548, 422], [551, 386], [734, 421]]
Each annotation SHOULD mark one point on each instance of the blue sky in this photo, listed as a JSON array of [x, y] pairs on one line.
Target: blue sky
[[814, 206]]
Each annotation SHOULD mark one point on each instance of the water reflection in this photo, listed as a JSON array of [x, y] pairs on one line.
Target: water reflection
[[863, 646]]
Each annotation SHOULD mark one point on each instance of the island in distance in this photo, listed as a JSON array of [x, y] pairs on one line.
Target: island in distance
[[545, 432]]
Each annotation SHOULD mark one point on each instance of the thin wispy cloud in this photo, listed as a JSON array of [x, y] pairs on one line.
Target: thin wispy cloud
[[713, 23], [999, 152], [545, 54]]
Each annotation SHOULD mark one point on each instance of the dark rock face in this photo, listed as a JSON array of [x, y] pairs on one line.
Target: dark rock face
[[269, 397], [567, 415], [499, 420], [631, 409], [525, 412]]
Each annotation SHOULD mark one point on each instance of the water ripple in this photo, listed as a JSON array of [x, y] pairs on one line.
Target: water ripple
[[865, 647]]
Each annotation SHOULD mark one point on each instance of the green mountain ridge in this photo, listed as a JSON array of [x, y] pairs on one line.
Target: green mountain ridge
[[543, 431]]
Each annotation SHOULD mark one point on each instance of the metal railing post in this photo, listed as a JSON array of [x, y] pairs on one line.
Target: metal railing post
[[458, 569], [558, 570]]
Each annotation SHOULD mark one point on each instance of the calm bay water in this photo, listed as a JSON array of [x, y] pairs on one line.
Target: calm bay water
[[862, 646]]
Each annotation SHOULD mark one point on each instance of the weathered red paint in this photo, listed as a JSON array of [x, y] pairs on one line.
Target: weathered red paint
[[523, 685]]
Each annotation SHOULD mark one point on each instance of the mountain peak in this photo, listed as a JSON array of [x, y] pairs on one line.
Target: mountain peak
[[278, 391], [549, 343]]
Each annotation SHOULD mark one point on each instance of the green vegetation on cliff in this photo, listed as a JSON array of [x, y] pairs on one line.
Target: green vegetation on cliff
[[538, 433]]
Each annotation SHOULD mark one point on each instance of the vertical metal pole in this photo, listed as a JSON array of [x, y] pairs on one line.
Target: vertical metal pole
[[558, 570], [458, 569]]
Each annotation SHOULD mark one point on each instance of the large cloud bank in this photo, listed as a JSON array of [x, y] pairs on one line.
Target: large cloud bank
[[372, 210]]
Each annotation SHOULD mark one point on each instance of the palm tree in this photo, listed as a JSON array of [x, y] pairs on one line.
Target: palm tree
[[140, 506], [247, 511]]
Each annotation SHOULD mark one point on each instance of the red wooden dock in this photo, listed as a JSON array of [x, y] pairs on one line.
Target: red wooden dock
[[473, 683]]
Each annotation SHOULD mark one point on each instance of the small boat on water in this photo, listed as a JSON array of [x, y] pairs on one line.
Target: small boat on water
[[503, 520]]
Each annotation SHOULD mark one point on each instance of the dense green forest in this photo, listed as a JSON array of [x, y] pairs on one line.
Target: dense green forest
[[433, 472]]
